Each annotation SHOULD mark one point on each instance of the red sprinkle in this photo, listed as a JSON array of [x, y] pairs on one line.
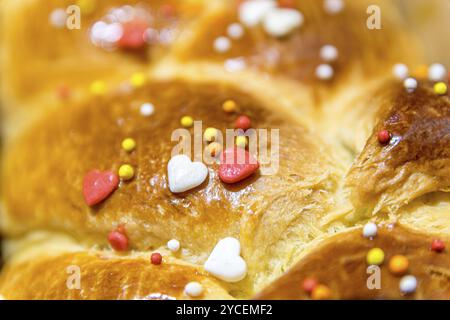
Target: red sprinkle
[[309, 284], [156, 258], [437, 245], [384, 136], [97, 186], [118, 240], [63, 92], [236, 164], [286, 3], [133, 36], [243, 122], [168, 10]]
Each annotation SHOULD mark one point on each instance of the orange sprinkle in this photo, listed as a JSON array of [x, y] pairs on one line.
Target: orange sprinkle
[[321, 292]]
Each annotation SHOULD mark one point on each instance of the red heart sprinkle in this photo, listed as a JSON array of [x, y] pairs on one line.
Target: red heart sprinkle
[[118, 240], [97, 186], [236, 164], [133, 36]]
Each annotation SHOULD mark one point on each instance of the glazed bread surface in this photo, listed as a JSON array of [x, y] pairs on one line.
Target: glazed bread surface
[[305, 220]]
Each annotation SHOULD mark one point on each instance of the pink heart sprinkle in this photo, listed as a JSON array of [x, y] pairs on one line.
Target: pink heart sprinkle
[[236, 164], [97, 186]]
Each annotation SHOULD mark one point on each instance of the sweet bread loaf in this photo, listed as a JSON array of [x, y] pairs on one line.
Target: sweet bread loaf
[[127, 183]]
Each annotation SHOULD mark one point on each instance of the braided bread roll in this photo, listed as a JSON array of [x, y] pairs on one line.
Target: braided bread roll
[[266, 234]]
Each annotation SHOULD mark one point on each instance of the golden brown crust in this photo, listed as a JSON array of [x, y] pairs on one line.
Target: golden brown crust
[[102, 278], [279, 219], [417, 159], [44, 191], [296, 55], [39, 59], [340, 264]]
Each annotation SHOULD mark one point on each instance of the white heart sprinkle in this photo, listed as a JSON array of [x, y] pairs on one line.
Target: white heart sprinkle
[[225, 261], [252, 12], [281, 21], [184, 174]]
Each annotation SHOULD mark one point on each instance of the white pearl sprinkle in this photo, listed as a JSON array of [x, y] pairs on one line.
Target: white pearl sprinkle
[[408, 284], [113, 32], [400, 71], [106, 35], [97, 31], [147, 109], [437, 72], [333, 6], [235, 31], [193, 289], [328, 53], [324, 72], [58, 18], [252, 12], [222, 44], [235, 65], [370, 230], [410, 84], [173, 245]]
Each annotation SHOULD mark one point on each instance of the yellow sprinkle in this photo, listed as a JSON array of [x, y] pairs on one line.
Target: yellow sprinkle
[[321, 292], [126, 172], [128, 144], [187, 121], [440, 88], [229, 106], [98, 88], [214, 148], [87, 7], [210, 134], [375, 256], [241, 141], [138, 79]]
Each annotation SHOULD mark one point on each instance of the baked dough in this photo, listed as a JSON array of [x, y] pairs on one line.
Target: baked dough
[[305, 220]]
